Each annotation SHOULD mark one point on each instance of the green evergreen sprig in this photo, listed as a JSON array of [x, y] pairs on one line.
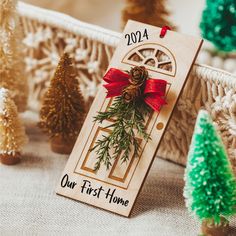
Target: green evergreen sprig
[[129, 119]]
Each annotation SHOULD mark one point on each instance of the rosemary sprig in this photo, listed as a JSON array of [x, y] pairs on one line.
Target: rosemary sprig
[[128, 118]]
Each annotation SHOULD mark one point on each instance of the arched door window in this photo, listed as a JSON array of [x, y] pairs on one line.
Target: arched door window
[[154, 57]]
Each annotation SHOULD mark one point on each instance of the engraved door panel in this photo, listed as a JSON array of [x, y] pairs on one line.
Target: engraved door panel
[[155, 58]]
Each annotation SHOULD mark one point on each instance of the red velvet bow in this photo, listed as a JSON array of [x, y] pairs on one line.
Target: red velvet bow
[[154, 90]]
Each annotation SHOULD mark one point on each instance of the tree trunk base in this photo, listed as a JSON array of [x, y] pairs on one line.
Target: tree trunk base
[[62, 145], [9, 159], [210, 229]]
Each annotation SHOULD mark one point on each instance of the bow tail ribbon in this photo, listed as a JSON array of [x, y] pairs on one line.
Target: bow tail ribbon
[[155, 102], [154, 93]]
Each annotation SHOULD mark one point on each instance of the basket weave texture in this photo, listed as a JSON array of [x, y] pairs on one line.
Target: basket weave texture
[[48, 34]]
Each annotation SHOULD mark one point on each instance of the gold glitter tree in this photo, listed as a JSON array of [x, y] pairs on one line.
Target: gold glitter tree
[[63, 109], [12, 67], [151, 12], [12, 132]]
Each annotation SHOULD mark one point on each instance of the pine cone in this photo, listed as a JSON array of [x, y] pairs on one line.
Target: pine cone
[[138, 75], [131, 92]]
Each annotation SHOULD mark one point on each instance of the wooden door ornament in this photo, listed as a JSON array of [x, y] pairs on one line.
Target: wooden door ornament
[[124, 127]]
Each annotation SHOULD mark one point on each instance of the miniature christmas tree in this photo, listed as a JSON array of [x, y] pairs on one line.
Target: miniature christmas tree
[[210, 188], [151, 12], [12, 132], [63, 109], [218, 23], [12, 67]]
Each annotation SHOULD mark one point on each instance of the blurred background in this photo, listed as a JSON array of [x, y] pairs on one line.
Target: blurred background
[[185, 14]]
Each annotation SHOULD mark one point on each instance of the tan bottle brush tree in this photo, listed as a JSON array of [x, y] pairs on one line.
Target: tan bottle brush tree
[[12, 67], [12, 132], [151, 12], [63, 109]]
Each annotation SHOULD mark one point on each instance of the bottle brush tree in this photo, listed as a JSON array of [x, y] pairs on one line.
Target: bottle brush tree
[[63, 109], [12, 132], [218, 24], [12, 67], [151, 12], [210, 186]]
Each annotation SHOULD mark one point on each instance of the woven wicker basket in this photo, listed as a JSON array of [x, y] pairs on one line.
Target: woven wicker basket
[[47, 34]]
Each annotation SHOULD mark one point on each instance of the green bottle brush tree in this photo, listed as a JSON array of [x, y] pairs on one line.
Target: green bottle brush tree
[[210, 186], [218, 24]]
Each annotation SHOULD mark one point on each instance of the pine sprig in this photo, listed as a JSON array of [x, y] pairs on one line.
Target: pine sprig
[[129, 119]]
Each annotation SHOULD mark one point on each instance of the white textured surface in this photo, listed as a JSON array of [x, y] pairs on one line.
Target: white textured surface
[[65, 22], [29, 205]]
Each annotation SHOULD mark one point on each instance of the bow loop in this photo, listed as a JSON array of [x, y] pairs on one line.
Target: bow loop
[[116, 81], [157, 86], [115, 75]]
